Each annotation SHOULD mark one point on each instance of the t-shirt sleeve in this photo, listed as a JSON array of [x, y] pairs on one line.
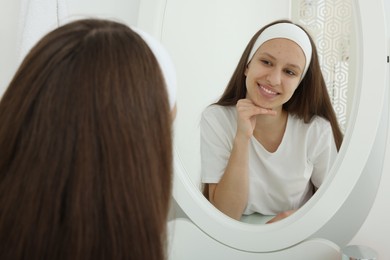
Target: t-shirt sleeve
[[215, 143], [324, 153]]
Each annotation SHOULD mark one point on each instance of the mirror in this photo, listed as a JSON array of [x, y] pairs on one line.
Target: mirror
[[220, 47], [356, 169]]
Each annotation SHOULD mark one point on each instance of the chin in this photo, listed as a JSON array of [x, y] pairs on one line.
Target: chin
[[264, 105]]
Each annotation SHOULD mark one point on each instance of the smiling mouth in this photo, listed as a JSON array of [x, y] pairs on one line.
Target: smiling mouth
[[267, 90]]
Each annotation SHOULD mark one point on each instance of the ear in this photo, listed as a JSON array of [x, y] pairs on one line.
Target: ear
[[246, 70]]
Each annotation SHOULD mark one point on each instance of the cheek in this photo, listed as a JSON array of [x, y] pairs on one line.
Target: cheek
[[291, 90], [293, 85], [246, 71], [246, 83], [248, 89]]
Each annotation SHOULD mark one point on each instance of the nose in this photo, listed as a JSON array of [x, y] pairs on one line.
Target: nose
[[274, 76]]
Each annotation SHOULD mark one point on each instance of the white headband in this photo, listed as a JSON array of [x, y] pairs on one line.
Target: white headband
[[288, 31], [165, 62]]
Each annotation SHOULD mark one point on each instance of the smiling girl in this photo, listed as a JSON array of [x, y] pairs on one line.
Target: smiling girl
[[271, 139]]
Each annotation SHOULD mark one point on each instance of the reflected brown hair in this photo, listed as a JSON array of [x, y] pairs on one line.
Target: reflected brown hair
[[85, 148]]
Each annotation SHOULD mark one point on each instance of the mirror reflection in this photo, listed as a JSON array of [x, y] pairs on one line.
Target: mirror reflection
[[204, 75], [268, 143]]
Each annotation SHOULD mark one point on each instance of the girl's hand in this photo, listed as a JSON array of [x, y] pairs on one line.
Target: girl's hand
[[281, 216], [246, 116]]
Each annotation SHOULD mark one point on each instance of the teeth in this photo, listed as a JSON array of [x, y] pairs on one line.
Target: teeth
[[268, 91]]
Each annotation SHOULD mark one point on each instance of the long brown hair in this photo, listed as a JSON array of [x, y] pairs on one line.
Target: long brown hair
[[85, 148]]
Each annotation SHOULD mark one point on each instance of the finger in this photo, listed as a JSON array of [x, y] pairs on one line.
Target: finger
[[265, 111], [272, 220], [244, 104]]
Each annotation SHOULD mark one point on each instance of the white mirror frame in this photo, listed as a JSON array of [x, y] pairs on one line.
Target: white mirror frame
[[341, 205]]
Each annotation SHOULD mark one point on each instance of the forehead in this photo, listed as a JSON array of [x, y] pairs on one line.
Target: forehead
[[283, 49]]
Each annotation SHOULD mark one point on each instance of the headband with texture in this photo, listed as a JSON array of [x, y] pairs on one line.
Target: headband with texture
[[165, 62], [287, 31]]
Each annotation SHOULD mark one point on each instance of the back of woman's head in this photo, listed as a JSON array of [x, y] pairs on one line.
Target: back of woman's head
[[85, 148]]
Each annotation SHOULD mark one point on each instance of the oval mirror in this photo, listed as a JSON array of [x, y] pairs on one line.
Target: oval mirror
[[197, 34]]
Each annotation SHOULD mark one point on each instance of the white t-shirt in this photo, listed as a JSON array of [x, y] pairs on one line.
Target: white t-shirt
[[278, 181]]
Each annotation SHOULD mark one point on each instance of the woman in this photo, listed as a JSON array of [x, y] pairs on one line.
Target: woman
[[85, 146], [270, 140]]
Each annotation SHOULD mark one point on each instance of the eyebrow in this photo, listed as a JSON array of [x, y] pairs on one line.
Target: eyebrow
[[288, 64]]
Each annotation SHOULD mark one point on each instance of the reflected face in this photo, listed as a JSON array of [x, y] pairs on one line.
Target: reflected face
[[274, 73]]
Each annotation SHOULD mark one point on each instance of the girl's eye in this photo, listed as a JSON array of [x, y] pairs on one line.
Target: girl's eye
[[266, 62], [290, 72]]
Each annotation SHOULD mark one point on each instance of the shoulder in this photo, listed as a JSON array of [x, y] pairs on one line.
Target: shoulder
[[218, 122], [218, 112], [316, 122], [317, 128], [320, 124]]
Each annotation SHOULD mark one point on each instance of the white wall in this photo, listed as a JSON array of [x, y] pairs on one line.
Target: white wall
[[9, 10], [375, 232], [122, 10]]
